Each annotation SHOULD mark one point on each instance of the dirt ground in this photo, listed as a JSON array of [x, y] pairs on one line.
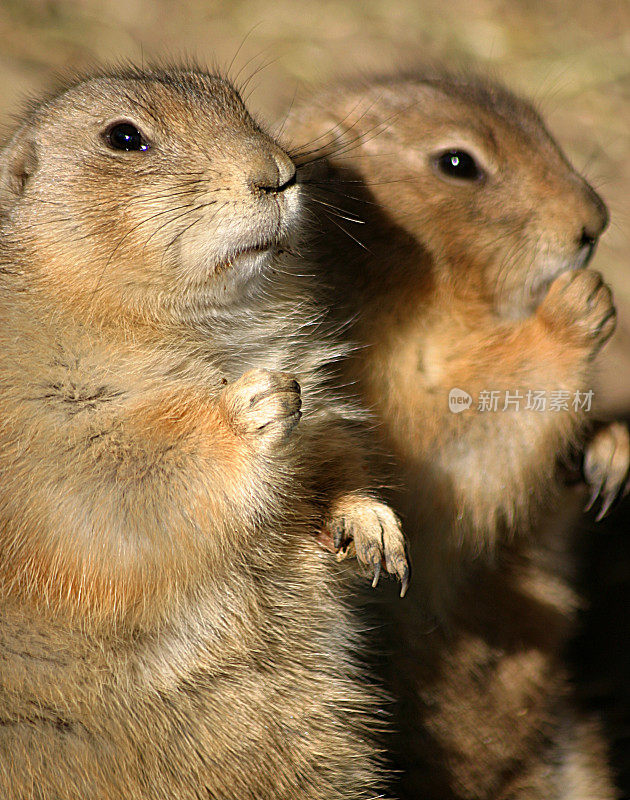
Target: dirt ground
[[571, 56]]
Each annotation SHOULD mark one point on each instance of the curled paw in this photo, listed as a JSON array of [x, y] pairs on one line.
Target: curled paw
[[369, 529], [263, 405], [606, 466], [581, 304]]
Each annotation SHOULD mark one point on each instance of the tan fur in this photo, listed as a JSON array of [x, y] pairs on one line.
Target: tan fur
[[170, 627], [471, 284]]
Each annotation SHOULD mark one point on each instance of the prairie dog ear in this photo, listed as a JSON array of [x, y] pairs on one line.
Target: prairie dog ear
[[18, 163]]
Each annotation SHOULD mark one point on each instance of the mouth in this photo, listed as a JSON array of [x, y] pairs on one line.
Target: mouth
[[585, 254], [247, 260], [580, 261]]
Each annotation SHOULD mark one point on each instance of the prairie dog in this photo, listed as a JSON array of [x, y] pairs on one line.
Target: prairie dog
[[466, 274], [170, 627]]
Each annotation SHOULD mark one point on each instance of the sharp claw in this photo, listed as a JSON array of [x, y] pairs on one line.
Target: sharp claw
[[377, 574], [404, 581], [610, 499], [337, 536], [594, 495]]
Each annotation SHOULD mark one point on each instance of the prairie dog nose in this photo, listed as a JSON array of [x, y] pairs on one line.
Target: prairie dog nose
[[274, 172], [596, 218]]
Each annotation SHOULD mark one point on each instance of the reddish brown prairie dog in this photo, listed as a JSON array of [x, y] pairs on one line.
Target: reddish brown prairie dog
[[170, 627], [463, 279]]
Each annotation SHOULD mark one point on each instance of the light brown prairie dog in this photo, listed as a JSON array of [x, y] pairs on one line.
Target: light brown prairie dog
[[465, 271], [169, 626], [470, 279]]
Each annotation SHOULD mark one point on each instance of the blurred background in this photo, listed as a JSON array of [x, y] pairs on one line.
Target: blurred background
[[571, 58]]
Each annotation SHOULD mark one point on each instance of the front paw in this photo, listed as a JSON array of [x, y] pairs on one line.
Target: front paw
[[607, 465], [370, 528], [263, 406], [579, 306]]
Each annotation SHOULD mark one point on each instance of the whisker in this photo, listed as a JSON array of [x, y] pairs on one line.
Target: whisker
[[376, 129], [336, 211], [135, 102], [234, 80], [238, 50], [123, 238], [188, 210], [278, 131], [260, 69], [299, 151], [332, 189], [354, 239], [176, 237]]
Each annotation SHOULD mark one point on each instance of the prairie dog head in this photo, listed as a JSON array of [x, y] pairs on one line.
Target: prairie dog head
[[470, 172], [145, 193]]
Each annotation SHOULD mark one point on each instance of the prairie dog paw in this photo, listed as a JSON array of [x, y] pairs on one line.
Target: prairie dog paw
[[581, 305], [371, 530], [607, 465], [263, 405]]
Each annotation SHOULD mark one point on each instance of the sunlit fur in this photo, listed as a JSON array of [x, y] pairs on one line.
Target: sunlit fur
[[474, 285], [169, 626]]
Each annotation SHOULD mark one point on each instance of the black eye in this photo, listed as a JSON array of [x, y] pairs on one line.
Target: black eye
[[125, 136], [458, 164]]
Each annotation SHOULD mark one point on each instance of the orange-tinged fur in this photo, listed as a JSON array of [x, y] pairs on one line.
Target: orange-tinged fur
[[170, 628], [473, 283]]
